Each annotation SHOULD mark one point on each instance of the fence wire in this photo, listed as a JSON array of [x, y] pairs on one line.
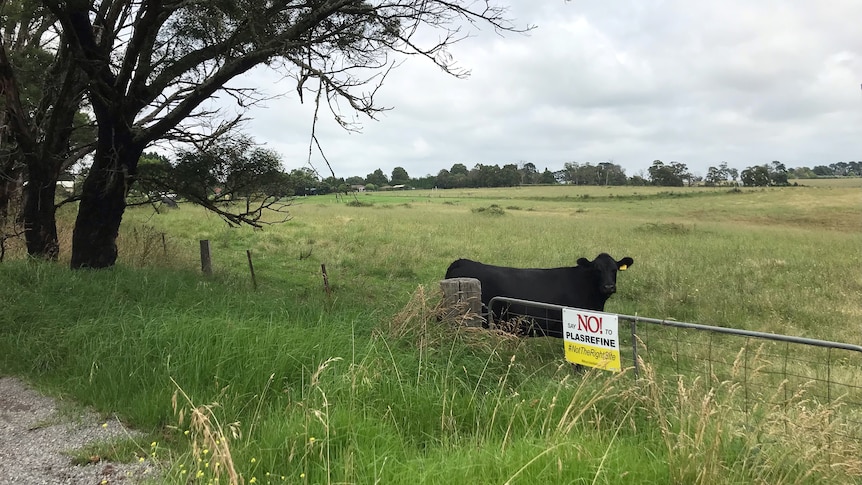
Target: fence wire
[[778, 372]]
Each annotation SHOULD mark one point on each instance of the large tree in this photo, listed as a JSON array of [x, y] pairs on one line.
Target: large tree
[[151, 64], [529, 173], [399, 176], [674, 175], [605, 173], [777, 173], [547, 177], [444, 179], [509, 176], [611, 174], [484, 176], [303, 181], [44, 131], [377, 178], [757, 176]]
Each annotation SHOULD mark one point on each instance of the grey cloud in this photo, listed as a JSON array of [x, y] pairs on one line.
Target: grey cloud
[[632, 81]]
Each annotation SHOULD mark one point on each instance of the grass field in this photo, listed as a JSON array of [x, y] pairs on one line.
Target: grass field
[[288, 384]]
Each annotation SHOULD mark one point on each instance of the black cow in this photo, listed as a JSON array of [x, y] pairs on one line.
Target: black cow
[[587, 285]]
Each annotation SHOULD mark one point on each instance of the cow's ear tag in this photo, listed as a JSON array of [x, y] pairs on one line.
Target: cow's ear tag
[[623, 267]]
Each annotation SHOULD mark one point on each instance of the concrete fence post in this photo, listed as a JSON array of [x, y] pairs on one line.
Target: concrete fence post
[[462, 301]]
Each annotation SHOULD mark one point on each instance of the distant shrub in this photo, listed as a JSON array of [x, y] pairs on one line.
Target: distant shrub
[[666, 228], [359, 203], [492, 210]]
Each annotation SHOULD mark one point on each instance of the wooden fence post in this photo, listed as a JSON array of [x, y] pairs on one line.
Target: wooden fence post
[[462, 301], [325, 280], [206, 258], [251, 268]]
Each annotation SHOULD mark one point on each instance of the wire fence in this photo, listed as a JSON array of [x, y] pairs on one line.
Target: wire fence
[[772, 370]]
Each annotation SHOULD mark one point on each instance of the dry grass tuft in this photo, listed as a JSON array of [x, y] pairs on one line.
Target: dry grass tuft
[[426, 321], [209, 441]]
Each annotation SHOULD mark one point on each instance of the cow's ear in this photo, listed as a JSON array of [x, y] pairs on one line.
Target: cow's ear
[[583, 262], [624, 263]]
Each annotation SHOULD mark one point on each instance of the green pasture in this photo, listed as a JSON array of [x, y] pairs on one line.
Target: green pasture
[[288, 383]]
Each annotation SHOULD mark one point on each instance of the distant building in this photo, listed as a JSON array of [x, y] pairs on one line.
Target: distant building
[[394, 187], [66, 182]]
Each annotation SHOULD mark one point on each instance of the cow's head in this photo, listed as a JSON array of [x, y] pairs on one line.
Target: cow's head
[[605, 269]]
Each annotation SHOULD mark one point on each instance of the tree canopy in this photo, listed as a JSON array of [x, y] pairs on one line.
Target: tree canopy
[[150, 66]]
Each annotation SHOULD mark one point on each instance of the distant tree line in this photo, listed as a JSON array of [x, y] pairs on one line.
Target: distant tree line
[[672, 174], [840, 169], [238, 169]]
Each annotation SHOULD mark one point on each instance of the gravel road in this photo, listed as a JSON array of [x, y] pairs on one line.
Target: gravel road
[[35, 437]]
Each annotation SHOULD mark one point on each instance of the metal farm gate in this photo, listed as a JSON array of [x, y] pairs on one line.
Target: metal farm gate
[[775, 370]]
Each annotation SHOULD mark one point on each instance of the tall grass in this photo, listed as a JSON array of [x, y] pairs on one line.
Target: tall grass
[[780, 440], [289, 384]]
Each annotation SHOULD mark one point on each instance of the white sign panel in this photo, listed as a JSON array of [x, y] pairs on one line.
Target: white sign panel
[[592, 339]]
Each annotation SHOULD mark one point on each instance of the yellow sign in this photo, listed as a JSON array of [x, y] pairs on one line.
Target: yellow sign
[[592, 339]]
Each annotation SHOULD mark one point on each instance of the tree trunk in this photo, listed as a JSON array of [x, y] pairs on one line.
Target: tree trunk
[[94, 240], [103, 198], [38, 212], [9, 190], [10, 167], [10, 195]]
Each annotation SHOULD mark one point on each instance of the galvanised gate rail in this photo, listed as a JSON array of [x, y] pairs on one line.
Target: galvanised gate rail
[[774, 370]]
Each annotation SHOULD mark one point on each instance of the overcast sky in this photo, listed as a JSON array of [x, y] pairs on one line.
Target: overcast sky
[[698, 82]]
